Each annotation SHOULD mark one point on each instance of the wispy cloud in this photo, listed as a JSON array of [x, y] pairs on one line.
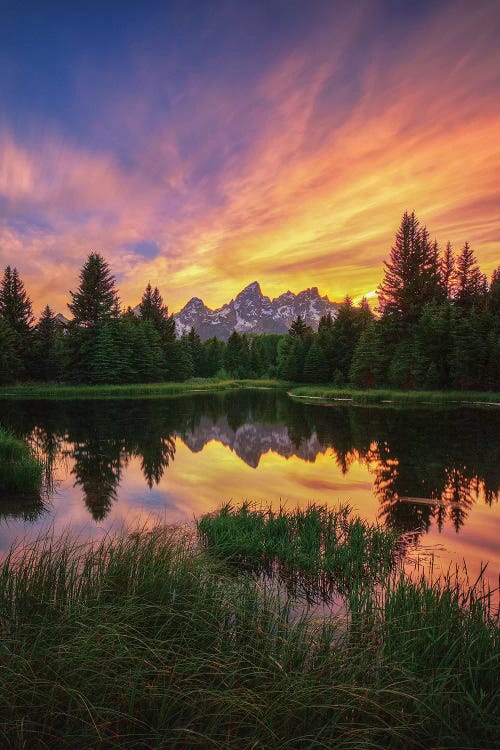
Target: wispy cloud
[[299, 177]]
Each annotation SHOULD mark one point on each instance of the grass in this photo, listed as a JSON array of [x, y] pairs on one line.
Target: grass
[[134, 390], [143, 640], [20, 471], [325, 393], [398, 398], [317, 542]]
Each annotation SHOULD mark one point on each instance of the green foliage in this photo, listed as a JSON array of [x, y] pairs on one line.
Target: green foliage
[[314, 541], [197, 352], [154, 311], [10, 361], [17, 314], [96, 299], [471, 284], [50, 351], [20, 472], [366, 367], [316, 366], [143, 641], [15, 305], [237, 356], [299, 329], [213, 357], [412, 273]]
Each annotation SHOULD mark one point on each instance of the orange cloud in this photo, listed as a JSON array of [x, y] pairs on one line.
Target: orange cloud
[[313, 190]]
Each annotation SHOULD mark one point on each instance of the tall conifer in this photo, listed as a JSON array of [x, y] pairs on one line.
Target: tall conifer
[[15, 305], [155, 312], [96, 299]]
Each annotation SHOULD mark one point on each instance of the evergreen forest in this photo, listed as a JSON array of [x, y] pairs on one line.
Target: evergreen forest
[[436, 327]]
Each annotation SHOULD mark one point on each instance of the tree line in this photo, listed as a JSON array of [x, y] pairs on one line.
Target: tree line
[[437, 327]]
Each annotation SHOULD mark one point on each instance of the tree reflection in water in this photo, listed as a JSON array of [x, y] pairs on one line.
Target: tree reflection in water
[[428, 466]]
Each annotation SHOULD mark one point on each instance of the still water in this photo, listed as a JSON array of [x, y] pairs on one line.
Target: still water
[[110, 463]]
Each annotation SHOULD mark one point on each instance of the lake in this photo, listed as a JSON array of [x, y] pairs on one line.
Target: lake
[[109, 463]]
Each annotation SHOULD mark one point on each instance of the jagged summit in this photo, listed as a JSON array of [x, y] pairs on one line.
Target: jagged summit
[[253, 312]]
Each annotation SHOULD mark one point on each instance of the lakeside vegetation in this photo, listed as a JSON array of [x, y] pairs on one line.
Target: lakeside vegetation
[[313, 393], [133, 390], [437, 328], [145, 640], [20, 471], [384, 396]]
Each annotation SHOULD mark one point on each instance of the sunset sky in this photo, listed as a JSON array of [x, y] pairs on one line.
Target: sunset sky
[[203, 145]]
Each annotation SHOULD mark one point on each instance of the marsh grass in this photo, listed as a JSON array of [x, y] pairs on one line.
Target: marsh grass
[[386, 397], [142, 641], [20, 471], [318, 543], [56, 391]]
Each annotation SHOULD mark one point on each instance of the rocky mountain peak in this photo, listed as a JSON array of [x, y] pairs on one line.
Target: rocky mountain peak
[[252, 290], [195, 303], [252, 312]]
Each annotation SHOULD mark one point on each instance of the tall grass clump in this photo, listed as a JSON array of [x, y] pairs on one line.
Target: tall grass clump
[[316, 542], [143, 641], [20, 471]]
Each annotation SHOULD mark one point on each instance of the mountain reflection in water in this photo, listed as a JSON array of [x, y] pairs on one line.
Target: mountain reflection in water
[[426, 468]]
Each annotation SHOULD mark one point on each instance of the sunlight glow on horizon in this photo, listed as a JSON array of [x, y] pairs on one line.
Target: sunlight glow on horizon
[[298, 178]]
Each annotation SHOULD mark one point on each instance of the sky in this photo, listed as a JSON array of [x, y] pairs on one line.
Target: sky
[[202, 145]]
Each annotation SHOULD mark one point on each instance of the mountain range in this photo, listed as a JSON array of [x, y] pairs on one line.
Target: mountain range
[[250, 312]]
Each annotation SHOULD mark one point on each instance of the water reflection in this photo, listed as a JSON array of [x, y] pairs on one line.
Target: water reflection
[[428, 467]]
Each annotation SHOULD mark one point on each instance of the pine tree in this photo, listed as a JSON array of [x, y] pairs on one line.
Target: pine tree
[[412, 273], [447, 270], [493, 302], [257, 366], [316, 366], [299, 329], [214, 356], [15, 305], [148, 354], [233, 354], [153, 310], [197, 353], [367, 363], [45, 338], [96, 299], [326, 323], [17, 312], [104, 361], [471, 283], [10, 363]]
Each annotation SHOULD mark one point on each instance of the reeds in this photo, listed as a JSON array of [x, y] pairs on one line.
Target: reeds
[[20, 471], [315, 542], [144, 641], [145, 390], [397, 398]]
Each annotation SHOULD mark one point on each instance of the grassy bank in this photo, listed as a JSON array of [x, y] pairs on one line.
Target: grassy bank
[[20, 471], [315, 393], [145, 641], [399, 398], [134, 390]]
